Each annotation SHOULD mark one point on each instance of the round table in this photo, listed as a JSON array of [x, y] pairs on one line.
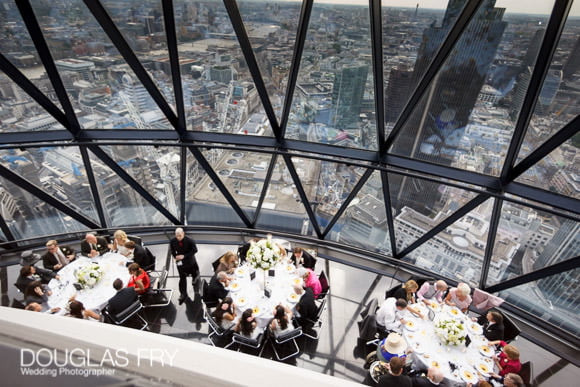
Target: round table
[[248, 293], [113, 266]]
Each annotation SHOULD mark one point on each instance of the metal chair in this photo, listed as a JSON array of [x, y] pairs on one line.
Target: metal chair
[[217, 330], [527, 373], [280, 340], [254, 344], [157, 296], [324, 284], [317, 322], [122, 317]]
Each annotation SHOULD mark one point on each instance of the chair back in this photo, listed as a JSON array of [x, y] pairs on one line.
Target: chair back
[[125, 314], [248, 342], [320, 309], [212, 323], [216, 263], [324, 284], [510, 329], [286, 336], [527, 373], [135, 239]]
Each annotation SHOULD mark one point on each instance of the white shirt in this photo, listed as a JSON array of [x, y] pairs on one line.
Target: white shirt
[[388, 315]]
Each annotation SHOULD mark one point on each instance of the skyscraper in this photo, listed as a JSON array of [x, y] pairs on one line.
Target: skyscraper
[[397, 93], [347, 94]]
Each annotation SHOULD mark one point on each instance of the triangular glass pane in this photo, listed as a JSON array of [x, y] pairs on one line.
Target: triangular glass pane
[[528, 240], [219, 92], [327, 184], [205, 204], [272, 28], [419, 205], [156, 168], [20, 113], [103, 90], [282, 209], [457, 252], [58, 171], [334, 98], [463, 118], [364, 223], [553, 299], [123, 206], [27, 216], [558, 101]]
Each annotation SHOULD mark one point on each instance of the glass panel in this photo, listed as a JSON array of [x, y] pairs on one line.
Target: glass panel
[[123, 206], [327, 184], [220, 95], [243, 173], [27, 216], [457, 252], [205, 204], [529, 240], [283, 209], [59, 172], [156, 168], [554, 299], [334, 98], [463, 119], [419, 205], [103, 89], [272, 27], [364, 223]]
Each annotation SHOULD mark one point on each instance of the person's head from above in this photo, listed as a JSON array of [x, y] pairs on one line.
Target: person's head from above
[[297, 252], [463, 290], [302, 273], [279, 312], [118, 284], [33, 289], [226, 304], [441, 285], [130, 245], [298, 289], [91, 238], [494, 316], [396, 365], [222, 277], [483, 383], [247, 322], [179, 234], [134, 269], [27, 270], [411, 286], [120, 236], [511, 352], [435, 374], [401, 304], [395, 344], [76, 308], [513, 380], [52, 246], [229, 258], [34, 307]]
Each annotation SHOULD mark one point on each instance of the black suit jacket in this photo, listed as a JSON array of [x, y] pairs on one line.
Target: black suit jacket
[[388, 380], [122, 300], [49, 260], [143, 258], [422, 381], [43, 274], [306, 306], [494, 331], [309, 260], [215, 291], [187, 247], [102, 246]]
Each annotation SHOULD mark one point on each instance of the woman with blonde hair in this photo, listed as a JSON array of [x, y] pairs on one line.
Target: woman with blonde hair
[[459, 297], [407, 291], [119, 240], [228, 262]]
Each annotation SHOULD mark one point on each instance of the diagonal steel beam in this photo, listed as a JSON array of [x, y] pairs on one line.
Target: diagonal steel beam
[[93, 185], [443, 53], [7, 233], [361, 182], [50, 200], [125, 50], [552, 199], [305, 12], [377, 50], [490, 244], [389, 210], [220, 185], [248, 52], [547, 49], [302, 193], [37, 37], [182, 184], [105, 158], [264, 189]]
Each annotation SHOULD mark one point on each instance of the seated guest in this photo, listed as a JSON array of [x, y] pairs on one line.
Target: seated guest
[[310, 280], [513, 380], [391, 346], [119, 240], [77, 310], [433, 376], [93, 245], [124, 298], [56, 257], [140, 255], [301, 257], [243, 249], [281, 323], [139, 279], [390, 315], [508, 360], [395, 377], [429, 291], [247, 325], [407, 291], [459, 297], [493, 328], [30, 274], [36, 292], [306, 308], [227, 263], [225, 313], [36, 307], [217, 287]]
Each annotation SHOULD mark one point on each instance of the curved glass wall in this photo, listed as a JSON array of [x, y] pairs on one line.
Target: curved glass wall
[[444, 137]]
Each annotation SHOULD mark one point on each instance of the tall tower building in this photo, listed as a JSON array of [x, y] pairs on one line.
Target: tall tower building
[[347, 94], [572, 66], [564, 245], [397, 93]]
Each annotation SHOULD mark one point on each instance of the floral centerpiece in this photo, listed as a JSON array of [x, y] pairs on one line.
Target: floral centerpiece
[[89, 275], [263, 254], [451, 332]]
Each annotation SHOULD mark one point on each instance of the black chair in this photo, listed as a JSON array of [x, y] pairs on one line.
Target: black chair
[[223, 337], [283, 341], [157, 296], [123, 317], [205, 289], [317, 323], [391, 292], [324, 284], [255, 346], [216, 263], [510, 330], [136, 239], [527, 373]]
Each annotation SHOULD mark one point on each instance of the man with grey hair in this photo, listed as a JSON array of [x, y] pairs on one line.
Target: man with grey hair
[[429, 291], [93, 245], [217, 288], [183, 250], [433, 377]]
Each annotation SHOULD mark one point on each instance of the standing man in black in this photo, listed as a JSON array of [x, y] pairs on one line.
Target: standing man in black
[[183, 250]]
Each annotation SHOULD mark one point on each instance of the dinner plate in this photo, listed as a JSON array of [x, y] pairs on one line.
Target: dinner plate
[[290, 268], [235, 286], [293, 298], [411, 325], [256, 310], [435, 363], [297, 281], [241, 272], [454, 312], [241, 301], [484, 368], [434, 306], [475, 328], [486, 350], [468, 376]]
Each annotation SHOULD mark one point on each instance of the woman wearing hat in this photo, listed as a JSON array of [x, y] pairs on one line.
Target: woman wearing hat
[[392, 346]]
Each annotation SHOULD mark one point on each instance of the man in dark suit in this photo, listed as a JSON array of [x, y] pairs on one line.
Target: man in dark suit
[[123, 299], [395, 377], [93, 245], [57, 256], [183, 250], [493, 328], [141, 255], [306, 307], [429, 378], [217, 288], [301, 257], [29, 274]]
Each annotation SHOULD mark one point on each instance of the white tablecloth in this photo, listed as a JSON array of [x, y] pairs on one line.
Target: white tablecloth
[[113, 266], [250, 294], [428, 348]]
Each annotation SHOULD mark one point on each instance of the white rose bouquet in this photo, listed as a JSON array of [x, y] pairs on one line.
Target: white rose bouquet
[[263, 254], [451, 332], [89, 275]]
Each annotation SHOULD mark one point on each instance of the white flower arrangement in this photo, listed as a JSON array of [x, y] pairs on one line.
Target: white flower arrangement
[[263, 254], [451, 332], [89, 275]]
